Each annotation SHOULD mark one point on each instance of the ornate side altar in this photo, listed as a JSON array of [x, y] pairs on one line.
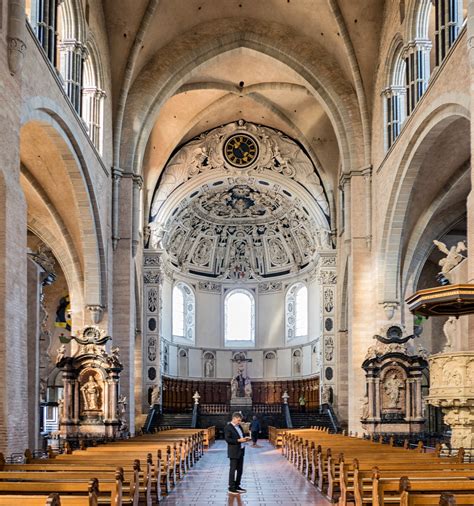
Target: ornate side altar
[[393, 401], [91, 406]]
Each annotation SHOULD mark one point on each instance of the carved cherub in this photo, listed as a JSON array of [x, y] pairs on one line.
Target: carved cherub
[[453, 256]]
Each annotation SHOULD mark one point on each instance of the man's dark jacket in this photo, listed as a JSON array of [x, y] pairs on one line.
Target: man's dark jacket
[[234, 451]]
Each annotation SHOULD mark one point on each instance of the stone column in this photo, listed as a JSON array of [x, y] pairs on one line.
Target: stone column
[[468, 341], [152, 302], [360, 288], [371, 398], [137, 186], [419, 400], [32, 366], [124, 296], [378, 404], [14, 412], [326, 269]]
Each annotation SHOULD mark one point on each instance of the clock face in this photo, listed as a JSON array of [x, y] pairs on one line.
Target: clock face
[[240, 150]]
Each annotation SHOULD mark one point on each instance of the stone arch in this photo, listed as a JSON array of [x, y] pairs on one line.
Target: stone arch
[[425, 133], [57, 237], [447, 209], [160, 79], [392, 72], [417, 19], [49, 120]]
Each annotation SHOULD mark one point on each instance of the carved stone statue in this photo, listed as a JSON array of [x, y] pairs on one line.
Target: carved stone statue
[[364, 408], [453, 257], [297, 364], [392, 387], [234, 387], [450, 329], [122, 406], [91, 393], [326, 394], [209, 368], [61, 353], [248, 388]]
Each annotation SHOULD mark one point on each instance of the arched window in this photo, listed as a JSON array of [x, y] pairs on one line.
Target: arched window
[[296, 311], [448, 22], [72, 31], [183, 312], [417, 53], [93, 95], [43, 18], [395, 95], [239, 311]]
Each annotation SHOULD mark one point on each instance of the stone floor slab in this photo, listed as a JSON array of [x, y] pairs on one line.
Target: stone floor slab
[[268, 477]]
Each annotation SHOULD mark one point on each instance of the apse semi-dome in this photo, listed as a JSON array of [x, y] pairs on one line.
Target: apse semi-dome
[[240, 202]]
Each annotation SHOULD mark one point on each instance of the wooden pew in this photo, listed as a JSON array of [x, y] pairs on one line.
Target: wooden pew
[[318, 455], [90, 490]]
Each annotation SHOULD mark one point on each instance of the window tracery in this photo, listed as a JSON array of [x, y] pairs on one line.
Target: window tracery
[[296, 311], [183, 312]]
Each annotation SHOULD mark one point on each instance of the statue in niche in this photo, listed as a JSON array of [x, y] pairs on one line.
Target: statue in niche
[[364, 409], [209, 367], [450, 329], [392, 387], [453, 257], [91, 393], [297, 364]]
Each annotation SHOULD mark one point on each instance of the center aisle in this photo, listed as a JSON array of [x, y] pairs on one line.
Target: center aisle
[[268, 477]]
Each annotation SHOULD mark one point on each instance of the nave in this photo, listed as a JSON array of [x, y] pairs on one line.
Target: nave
[[268, 478]]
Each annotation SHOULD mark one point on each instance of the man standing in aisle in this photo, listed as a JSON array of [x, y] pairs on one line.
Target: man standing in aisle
[[234, 437], [254, 430]]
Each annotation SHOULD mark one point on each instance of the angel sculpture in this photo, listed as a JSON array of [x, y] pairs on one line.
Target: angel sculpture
[[453, 257]]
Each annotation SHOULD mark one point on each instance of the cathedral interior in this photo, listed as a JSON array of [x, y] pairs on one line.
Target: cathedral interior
[[218, 206]]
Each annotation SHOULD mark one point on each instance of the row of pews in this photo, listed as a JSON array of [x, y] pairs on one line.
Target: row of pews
[[351, 470], [132, 472]]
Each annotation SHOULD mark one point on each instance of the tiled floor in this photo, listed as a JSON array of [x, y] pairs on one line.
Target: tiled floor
[[268, 477]]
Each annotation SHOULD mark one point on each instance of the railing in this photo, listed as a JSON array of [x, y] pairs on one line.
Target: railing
[[214, 409], [265, 409], [332, 417]]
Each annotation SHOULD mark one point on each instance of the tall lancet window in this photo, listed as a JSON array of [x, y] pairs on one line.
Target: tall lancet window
[[297, 311], [239, 316], [93, 95], [395, 95], [183, 305]]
